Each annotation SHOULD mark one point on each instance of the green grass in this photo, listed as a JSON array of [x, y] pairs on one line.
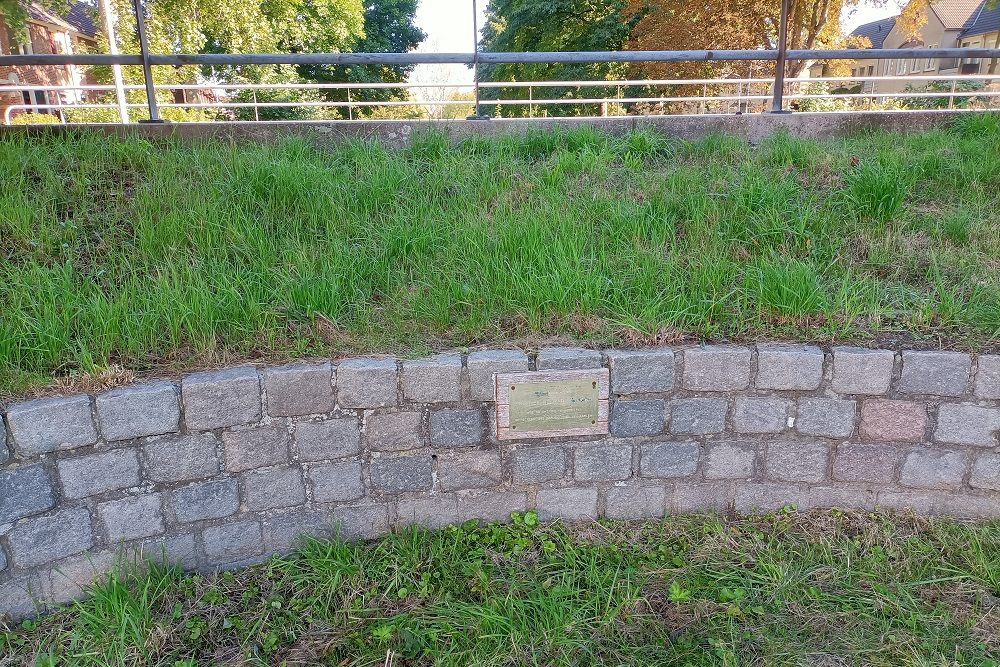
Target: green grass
[[152, 256], [787, 589]]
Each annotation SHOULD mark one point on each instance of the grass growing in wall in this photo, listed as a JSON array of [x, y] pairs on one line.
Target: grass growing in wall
[[783, 590], [145, 255]]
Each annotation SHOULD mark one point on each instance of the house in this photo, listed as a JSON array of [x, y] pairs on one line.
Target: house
[[71, 32], [981, 30], [872, 36]]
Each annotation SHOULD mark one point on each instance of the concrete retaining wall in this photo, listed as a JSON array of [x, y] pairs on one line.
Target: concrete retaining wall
[[226, 467]]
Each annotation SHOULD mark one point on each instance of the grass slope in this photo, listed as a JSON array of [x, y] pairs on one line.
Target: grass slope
[[787, 589], [149, 255]]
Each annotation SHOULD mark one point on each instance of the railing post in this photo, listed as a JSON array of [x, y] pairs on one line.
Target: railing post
[[475, 63], [777, 99], [147, 70], [350, 107]]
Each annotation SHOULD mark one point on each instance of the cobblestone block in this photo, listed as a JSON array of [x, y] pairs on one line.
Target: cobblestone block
[[530, 465], [25, 491], [668, 459], [272, 488], [893, 421], [861, 371], [797, 461], [730, 460], [3, 560], [173, 549], [394, 431], [4, 452], [962, 424], [299, 389], [232, 542], [141, 410], [920, 502], [935, 373], [760, 415], [93, 474], [567, 359], [336, 482], [470, 469], [602, 462], [285, 531], [866, 463], [431, 511], [700, 497], [362, 521], [395, 474], [637, 417], [641, 371], [717, 368], [634, 502], [437, 379], [756, 497], [698, 416], [789, 367], [131, 518], [569, 504], [988, 377], [331, 439], [933, 469], [48, 424], [986, 472], [17, 596], [826, 417], [214, 499], [456, 428], [482, 366], [178, 458], [490, 506], [833, 496], [71, 577], [366, 383], [44, 539], [218, 399], [249, 448]]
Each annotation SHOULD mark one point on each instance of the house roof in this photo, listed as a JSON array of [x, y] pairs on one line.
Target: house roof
[[876, 31], [954, 13], [79, 18], [984, 20]]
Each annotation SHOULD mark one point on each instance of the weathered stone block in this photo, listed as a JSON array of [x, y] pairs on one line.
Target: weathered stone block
[[963, 424], [668, 459], [861, 371], [698, 416], [69, 579], [367, 383], [43, 539], [756, 497], [393, 432], [760, 415], [3, 560], [141, 410], [841, 497], [703, 497], [335, 482], [232, 542], [436, 511], [716, 368], [797, 461], [286, 530], [641, 371], [602, 462], [634, 502], [483, 366], [178, 458], [437, 379], [470, 469], [25, 491], [988, 377], [271, 488], [217, 399], [530, 465], [47, 424], [569, 504], [935, 373], [986, 472], [17, 596], [730, 460], [4, 452], [214, 499], [92, 474], [132, 518], [789, 367], [637, 417], [249, 448], [921, 502], [567, 359], [299, 389], [173, 549], [893, 421], [395, 474], [826, 417], [363, 521], [331, 439], [491, 506], [866, 463], [456, 428], [933, 469]]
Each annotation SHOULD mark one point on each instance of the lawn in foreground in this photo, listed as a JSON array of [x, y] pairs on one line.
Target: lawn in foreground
[[823, 588], [150, 255]]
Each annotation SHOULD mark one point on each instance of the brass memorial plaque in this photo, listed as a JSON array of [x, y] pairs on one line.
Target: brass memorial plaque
[[549, 404]]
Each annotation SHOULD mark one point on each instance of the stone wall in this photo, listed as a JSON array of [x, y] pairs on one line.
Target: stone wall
[[226, 467]]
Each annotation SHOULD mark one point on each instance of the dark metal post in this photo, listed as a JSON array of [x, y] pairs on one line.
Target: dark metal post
[[777, 104], [475, 63], [147, 70]]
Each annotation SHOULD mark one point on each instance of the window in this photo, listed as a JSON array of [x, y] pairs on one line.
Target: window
[[900, 67], [871, 70], [930, 64], [970, 45]]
